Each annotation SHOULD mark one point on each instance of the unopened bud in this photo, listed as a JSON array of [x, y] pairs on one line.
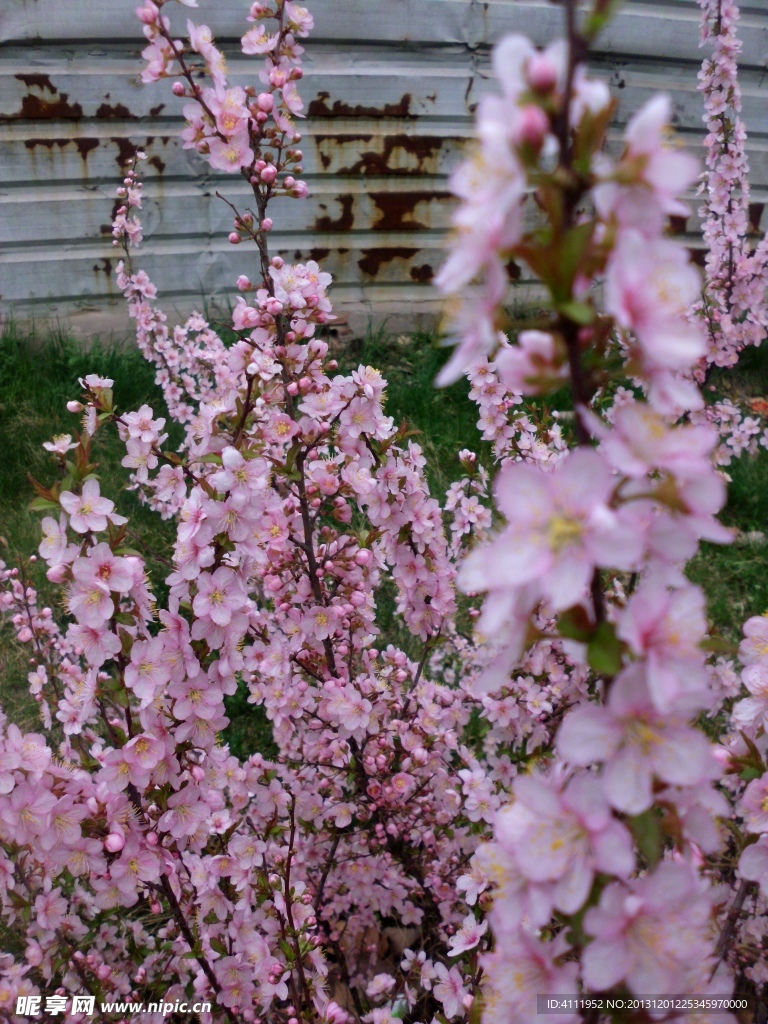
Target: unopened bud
[[114, 842], [541, 73]]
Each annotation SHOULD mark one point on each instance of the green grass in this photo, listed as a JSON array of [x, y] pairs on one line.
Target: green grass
[[444, 417], [735, 577], [38, 374]]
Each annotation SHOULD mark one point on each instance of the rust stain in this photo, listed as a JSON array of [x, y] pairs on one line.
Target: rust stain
[[343, 222], [157, 163], [397, 210], [698, 256], [399, 154], [422, 274], [37, 107], [154, 111], [48, 143], [125, 151], [755, 216], [372, 260], [106, 229], [336, 143], [83, 145], [116, 111], [105, 267], [677, 224], [319, 108], [513, 271], [37, 82]]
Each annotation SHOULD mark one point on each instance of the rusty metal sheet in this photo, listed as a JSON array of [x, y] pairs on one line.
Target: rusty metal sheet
[[390, 92]]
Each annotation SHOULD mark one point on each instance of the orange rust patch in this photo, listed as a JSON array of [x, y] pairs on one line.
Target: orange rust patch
[[372, 260], [396, 210], [38, 107], [343, 222], [422, 148], [422, 274], [319, 108], [117, 111]]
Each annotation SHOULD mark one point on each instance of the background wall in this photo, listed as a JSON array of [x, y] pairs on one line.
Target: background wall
[[390, 87]]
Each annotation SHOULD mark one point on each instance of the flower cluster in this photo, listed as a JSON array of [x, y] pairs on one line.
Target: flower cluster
[[595, 860], [734, 306], [444, 822]]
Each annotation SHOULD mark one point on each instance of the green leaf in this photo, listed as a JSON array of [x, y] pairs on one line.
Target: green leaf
[[755, 753], [719, 645], [580, 312], [604, 650], [646, 828], [42, 505], [574, 624]]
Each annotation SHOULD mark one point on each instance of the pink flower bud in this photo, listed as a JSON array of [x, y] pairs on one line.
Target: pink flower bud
[[363, 556], [155, 907], [178, 89], [277, 262], [234, 238], [197, 773], [114, 842], [266, 224], [151, 838], [75, 406], [269, 174], [542, 74], [534, 125], [265, 101], [244, 284], [289, 181]]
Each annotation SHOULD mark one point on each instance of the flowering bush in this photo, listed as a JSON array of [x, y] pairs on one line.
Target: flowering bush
[[535, 809]]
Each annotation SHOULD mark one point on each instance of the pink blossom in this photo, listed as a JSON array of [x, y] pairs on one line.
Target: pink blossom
[[563, 837], [88, 510], [232, 154], [219, 595], [148, 669], [449, 990], [468, 936], [103, 567], [665, 627], [649, 285], [753, 863], [645, 933], [636, 742], [559, 528], [754, 647]]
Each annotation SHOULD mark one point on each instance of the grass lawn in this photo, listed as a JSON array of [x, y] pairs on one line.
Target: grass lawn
[[39, 374]]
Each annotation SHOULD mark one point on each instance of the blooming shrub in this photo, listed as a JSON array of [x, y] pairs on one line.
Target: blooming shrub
[[534, 809]]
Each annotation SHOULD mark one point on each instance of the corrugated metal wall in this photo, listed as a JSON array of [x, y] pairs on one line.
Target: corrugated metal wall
[[390, 88]]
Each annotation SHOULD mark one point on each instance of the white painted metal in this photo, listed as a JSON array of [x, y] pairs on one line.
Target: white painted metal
[[390, 87]]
